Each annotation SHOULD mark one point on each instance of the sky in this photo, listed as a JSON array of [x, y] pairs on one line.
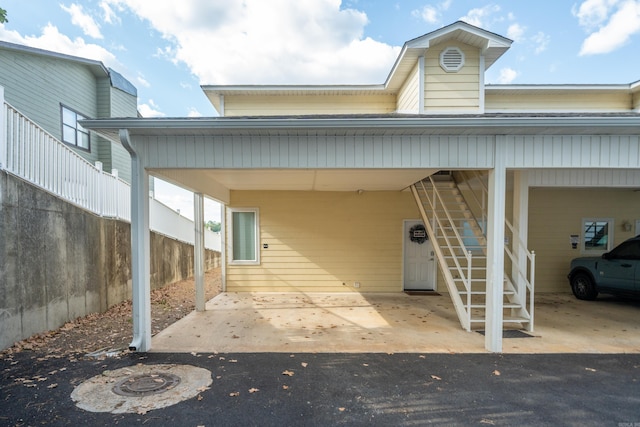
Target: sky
[[168, 48]]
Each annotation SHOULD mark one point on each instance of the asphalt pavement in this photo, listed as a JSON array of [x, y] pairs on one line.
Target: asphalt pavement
[[324, 389]]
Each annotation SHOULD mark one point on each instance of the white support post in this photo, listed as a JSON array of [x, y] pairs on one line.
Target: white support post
[[223, 246], [520, 225], [495, 249], [3, 131], [198, 249], [140, 250]]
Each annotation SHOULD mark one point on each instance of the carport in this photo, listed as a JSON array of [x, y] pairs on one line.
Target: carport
[[216, 156]]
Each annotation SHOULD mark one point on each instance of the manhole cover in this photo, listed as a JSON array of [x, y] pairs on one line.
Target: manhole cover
[[146, 385]]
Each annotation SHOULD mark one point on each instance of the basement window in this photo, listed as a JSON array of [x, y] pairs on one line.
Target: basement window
[[597, 235], [244, 236], [451, 59]]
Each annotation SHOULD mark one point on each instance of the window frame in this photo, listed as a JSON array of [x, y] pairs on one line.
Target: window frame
[[230, 240], [78, 129], [583, 237]]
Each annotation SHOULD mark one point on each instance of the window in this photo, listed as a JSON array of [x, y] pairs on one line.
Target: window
[[72, 132], [244, 236], [597, 235]]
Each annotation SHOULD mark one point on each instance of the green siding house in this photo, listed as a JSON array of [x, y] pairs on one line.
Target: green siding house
[[56, 91]]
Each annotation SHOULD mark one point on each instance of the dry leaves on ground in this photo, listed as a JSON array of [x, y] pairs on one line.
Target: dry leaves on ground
[[113, 328]]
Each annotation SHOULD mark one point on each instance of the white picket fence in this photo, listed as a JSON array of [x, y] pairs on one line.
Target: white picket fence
[[31, 153]]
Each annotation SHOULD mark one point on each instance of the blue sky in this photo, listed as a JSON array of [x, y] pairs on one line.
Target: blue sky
[[168, 48]]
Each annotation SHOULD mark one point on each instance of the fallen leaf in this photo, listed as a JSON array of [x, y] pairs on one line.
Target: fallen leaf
[[289, 373], [52, 385], [304, 364], [422, 356], [590, 369], [496, 373], [365, 364], [234, 394], [233, 361], [199, 397], [203, 388], [435, 377], [341, 409], [285, 387], [253, 390]]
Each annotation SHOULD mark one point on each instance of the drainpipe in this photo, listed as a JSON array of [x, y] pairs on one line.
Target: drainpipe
[[140, 244], [198, 249]]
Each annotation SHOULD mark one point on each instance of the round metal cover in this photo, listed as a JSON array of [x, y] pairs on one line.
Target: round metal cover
[[146, 385]]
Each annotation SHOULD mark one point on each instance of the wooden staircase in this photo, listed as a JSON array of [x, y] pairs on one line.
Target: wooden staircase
[[460, 246]]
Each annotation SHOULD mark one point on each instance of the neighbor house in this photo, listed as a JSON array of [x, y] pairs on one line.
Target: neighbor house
[[430, 181], [56, 91]]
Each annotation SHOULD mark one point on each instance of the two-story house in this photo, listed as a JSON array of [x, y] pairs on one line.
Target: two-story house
[[431, 180]]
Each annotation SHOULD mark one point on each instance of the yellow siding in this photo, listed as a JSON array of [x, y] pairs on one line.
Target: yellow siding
[[558, 101], [320, 240], [408, 98], [555, 214], [636, 101], [452, 92], [274, 105]]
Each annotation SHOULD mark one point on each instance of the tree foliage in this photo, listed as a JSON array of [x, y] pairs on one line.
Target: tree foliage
[[3, 16], [213, 226]]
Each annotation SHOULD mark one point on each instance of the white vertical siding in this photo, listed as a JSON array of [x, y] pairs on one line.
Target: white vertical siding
[[618, 178], [319, 151], [583, 151]]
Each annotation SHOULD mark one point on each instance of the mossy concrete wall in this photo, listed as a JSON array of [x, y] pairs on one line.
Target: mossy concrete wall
[[59, 262]]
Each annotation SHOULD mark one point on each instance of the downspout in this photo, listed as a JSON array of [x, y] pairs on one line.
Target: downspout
[[140, 244]]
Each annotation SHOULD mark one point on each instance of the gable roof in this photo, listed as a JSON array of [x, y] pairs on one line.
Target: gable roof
[[491, 44]]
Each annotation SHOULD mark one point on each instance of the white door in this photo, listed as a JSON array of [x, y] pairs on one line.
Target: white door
[[419, 259]]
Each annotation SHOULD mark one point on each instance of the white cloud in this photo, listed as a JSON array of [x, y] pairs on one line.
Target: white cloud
[[51, 39], [150, 110], [254, 42], [110, 16], [516, 32], [428, 13], [85, 22], [479, 16], [507, 75], [431, 14], [142, 81], [542, 42], [592, 13], [193, 112], [620, 26]]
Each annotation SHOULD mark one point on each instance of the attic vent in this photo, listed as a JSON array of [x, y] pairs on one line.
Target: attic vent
[[451, 59]]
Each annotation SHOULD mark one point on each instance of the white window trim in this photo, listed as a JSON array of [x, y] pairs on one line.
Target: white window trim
[[232, 261], [610, 237]]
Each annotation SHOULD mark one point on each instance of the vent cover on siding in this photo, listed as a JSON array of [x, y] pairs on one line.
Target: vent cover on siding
[[451, 59]]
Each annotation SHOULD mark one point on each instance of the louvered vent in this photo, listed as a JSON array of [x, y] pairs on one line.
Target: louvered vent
[[451, 59]]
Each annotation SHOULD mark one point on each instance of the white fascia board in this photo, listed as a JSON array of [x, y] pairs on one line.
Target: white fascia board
[[221, 89], [556, 87], [218, 124]]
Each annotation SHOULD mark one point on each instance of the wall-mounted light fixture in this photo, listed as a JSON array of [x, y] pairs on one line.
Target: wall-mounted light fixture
[[626, 225]]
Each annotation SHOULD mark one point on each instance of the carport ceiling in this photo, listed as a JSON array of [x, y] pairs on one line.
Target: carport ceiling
[[207, 180]]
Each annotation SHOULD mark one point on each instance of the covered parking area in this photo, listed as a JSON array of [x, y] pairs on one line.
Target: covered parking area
[[213, 156], [392, 323]]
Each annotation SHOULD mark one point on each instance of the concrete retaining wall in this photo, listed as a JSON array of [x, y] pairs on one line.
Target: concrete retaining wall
[[59, 262]]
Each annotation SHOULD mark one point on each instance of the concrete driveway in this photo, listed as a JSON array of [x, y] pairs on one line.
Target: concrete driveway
[[391, 323]]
